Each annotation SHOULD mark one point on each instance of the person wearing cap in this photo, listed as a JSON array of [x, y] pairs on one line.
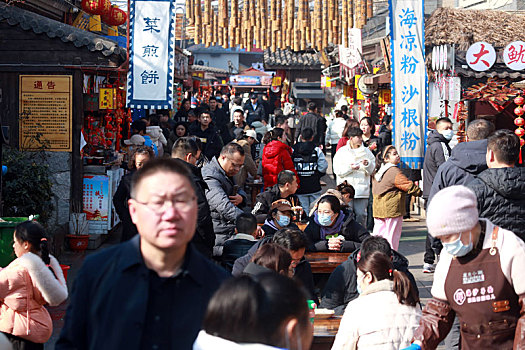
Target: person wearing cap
[[254, 110], [247, 139], [479, 278], [238, 125], [138, 127], [280, 216], [311, 165]]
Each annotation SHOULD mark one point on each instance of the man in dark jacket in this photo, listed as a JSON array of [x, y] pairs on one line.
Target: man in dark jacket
[[295, 242], [186, 150], [438, 151], [314, 121], [220, 119], [226, 199], [208, 134], [501, 188], [284, 189], [151, 291], [246, 234], [467, 159], [341, 287], [254, 110], [311, 165], [238, 125]]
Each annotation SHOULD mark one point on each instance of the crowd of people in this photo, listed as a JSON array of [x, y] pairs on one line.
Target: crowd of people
[[190, 223]]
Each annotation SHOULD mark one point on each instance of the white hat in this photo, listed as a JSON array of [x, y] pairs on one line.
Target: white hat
[[136, 140], [251, 133]]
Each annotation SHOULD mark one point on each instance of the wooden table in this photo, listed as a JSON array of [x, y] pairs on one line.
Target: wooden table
[[325, 262], [255, 187], [325, 331]]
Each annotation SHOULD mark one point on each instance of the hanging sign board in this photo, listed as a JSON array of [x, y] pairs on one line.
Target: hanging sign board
[[45, 112], [409, 86], [481, 56], [514, 55], [152, 50]]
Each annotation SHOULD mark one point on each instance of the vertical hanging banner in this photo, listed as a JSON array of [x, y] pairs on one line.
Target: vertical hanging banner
[[409, 88], [152, 52]]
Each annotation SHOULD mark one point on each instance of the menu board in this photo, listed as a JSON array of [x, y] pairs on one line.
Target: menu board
[[46, 108]]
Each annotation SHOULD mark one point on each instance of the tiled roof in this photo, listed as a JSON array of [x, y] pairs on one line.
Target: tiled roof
[[39, 24], [287, 59], [200, 68]]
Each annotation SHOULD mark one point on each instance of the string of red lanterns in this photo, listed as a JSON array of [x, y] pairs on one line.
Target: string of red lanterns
[[110, 14], [519, 121]]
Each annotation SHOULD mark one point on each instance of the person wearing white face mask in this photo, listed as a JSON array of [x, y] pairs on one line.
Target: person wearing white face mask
[[479, 278], [437, 153], [280, 216]]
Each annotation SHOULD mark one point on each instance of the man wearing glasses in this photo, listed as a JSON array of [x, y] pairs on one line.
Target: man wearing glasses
[[151, 291], [225, 198]]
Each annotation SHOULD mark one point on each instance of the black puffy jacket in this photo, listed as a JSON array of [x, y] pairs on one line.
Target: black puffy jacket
[[341, 287], [501, 197], [434, 157]]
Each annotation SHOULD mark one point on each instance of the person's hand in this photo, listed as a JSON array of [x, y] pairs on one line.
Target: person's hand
[[365, 162], [236, 200], [259, 233], [413, 347], [373, 146], [321, 147], [335, 243]]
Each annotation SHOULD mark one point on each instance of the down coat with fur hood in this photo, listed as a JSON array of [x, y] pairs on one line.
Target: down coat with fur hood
[[26, 285]]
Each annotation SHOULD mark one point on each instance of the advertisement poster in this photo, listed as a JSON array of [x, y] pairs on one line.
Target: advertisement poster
[[96, 197]]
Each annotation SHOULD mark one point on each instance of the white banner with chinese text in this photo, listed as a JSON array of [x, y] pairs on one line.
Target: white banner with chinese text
[[409, 88], [151, 63], [350, 57]]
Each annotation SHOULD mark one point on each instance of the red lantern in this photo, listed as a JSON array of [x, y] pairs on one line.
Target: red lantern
[[520, 132], [519, 100], [519, 121], [109, 135], [93, 7], [522, 142], [519, 111], [115, 16]]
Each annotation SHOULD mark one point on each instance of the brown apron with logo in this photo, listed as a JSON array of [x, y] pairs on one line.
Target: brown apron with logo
[[483, 299]]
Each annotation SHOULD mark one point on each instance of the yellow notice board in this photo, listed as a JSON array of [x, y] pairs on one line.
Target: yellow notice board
[[46, 110]]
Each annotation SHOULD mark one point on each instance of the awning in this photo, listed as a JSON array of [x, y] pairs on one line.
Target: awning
[[307, 90]]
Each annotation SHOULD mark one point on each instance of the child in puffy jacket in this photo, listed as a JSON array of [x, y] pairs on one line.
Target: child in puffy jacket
[[154, 131], [389, 188], [31, 281]]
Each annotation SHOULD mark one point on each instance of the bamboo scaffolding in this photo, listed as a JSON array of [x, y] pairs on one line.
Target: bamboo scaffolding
[[369, 8], [197, 31]]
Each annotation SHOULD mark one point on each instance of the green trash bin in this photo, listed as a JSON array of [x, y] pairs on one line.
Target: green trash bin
[[7, 229]]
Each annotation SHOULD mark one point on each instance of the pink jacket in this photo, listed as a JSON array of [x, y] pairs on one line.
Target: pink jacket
[[26, 285]]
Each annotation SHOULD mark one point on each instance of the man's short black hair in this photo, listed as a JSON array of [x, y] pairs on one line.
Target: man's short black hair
[[443, 120], [204, 111], [344, 108], [479, 129], [375, 244], [158, 165], [280, 120], [231, 148], [307, 134], [183, 146], [246, 223], [506, 146], [352, 132], [278, 113], [311, 106], [290, 238], [138, 126], [285, 177]]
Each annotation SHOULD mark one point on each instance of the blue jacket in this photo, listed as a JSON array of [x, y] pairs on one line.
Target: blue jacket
[[109, 300]]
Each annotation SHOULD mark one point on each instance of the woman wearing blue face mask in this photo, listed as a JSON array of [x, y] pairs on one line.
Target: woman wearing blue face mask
[[280, 216], [330, 229]]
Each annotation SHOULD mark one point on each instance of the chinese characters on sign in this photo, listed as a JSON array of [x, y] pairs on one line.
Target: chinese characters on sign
[[408, 80], [350, 57], [96, 197], [150, 77], [45, 112], [481, 56], [514, 55]]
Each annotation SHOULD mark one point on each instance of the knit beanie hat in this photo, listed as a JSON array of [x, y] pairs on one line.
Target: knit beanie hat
[[454, 209]]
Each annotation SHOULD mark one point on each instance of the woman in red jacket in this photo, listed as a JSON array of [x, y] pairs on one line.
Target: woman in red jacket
[[277, 156]]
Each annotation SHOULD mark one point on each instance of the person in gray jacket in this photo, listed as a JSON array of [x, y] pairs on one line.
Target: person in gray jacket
[[224, 196]]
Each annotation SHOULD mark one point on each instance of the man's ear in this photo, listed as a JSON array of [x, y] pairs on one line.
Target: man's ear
[[187, 158], [132, 207]]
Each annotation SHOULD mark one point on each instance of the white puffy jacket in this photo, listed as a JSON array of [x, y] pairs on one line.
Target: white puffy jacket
[[377, 321], [334, 130], [360, 178], [206, 341]]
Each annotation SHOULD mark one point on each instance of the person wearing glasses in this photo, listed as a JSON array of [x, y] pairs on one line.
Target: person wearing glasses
[[151, 291], [225, 197]]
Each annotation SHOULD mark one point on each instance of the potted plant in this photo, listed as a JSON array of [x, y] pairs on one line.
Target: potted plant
[[79, 231]]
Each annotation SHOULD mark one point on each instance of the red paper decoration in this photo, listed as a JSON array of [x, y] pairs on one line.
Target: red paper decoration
[[519, 121], [520, 132], [519, 111], [93, 7], [114, 16], [519, 100]]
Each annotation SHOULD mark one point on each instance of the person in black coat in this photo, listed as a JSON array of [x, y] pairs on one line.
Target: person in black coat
[[330, 229], [246, 233], [254, 110], [341, 287], [139, 156], [314, 121], [206, 131], [295, 242], [220, 119], [186, 151]]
